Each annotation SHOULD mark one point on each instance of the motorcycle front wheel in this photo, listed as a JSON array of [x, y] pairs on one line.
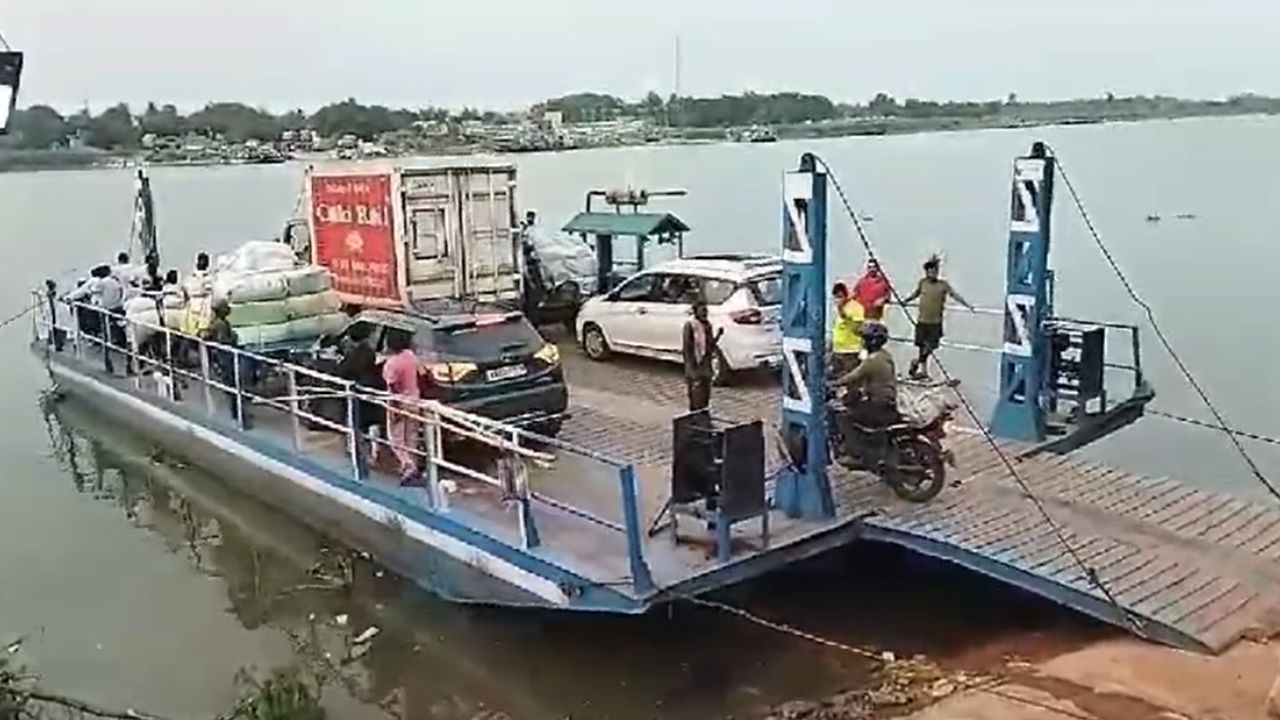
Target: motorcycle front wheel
[[917, 472]]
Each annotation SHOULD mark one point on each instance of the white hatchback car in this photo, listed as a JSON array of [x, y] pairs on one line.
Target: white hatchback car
[[645, 315]]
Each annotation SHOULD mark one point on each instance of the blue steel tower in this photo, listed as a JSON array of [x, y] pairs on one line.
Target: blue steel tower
[[1020, 411], [803, 489]]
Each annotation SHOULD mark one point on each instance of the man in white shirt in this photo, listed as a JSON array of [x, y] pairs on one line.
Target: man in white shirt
[[106, 291], [126, 272]]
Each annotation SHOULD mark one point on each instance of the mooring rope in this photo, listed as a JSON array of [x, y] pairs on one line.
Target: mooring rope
[[1160, 335]]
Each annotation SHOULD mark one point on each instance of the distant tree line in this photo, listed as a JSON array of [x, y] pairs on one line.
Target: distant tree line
[[121, 128]]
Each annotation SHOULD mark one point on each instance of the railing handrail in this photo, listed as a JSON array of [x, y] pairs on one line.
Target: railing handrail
[[366, 393], [436, 416]]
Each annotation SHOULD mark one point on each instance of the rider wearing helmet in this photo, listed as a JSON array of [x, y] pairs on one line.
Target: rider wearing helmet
[[872, 387]]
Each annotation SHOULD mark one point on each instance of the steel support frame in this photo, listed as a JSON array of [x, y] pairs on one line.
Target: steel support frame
[[1020, 412], [803, 489]]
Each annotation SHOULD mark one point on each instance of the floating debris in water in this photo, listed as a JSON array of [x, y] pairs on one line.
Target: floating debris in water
[[370, 633]]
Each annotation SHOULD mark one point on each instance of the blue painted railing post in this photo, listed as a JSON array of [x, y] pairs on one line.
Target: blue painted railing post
[[1020, 412], [528, 528], [641, 580], [803, 489]]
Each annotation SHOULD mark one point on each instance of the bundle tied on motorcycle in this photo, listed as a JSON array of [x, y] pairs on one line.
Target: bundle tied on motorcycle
[[921, 406]]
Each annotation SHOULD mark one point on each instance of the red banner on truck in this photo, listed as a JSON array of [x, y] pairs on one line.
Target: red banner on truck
[[354, 236]]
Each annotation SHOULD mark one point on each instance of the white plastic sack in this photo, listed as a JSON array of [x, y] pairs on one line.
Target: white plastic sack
[[258, 256], [312, 304], [307, 280], [147, 303], [138, 305], [171, 299], [921, 406], [236, 287], [266, 312], [564, 258], [146, 323], [259, 335], [301, 329], [271, 312]]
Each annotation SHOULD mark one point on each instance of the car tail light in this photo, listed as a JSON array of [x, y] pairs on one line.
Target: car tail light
[[751, 316], [451, 372]]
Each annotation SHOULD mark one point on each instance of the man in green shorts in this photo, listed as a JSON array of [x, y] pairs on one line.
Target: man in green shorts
[[933, 293]]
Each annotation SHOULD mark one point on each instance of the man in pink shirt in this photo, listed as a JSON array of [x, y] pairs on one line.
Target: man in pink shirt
[[400, 371]]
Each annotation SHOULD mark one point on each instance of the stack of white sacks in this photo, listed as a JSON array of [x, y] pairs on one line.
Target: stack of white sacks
[[273, 299], [144, 314]]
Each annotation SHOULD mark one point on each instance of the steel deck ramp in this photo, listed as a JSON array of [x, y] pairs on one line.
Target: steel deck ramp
[[1186, 567], [1190, 567]]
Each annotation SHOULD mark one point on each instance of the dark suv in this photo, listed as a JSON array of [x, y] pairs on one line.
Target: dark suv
[[489, 361]]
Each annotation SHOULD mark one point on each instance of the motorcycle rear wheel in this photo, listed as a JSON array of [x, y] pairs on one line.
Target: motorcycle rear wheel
[[916, 472]]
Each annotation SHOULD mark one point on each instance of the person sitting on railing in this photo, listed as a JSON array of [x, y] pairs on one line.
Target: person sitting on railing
[[106, 292], [222, 361], [933, 293], [400, 371]]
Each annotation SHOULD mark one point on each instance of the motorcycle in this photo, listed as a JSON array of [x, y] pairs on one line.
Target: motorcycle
[[908, 455]]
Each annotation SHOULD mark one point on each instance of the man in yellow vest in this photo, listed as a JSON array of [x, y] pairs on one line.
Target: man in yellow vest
[[846, 336]]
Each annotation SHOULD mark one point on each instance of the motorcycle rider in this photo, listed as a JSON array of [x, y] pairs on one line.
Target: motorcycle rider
[[871, 388]]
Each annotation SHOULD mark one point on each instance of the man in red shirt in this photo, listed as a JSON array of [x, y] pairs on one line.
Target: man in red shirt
[[872, 290]]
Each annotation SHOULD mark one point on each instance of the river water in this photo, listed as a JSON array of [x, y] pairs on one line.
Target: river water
[[142, 583]]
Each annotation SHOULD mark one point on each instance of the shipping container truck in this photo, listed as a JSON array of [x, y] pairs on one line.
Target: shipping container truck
[[393, 235]]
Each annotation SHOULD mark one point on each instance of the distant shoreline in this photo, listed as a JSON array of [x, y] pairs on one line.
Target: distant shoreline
[[18, 161]]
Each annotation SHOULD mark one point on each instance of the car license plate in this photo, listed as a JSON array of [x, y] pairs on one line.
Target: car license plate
[[505, 372]]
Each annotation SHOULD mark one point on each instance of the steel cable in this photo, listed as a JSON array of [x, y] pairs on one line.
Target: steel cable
[[1130, 618]]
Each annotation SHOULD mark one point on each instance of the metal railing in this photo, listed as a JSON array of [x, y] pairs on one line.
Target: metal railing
[[161, 361]]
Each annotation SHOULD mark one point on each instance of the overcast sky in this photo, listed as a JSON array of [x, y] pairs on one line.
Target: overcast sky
[[508, 53]]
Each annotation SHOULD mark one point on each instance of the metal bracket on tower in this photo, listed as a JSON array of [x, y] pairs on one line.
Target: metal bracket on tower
[[1020, 413], [802, 488]]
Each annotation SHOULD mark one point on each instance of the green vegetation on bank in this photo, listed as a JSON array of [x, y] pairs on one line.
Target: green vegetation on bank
[[119, 127], [227, 132]]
